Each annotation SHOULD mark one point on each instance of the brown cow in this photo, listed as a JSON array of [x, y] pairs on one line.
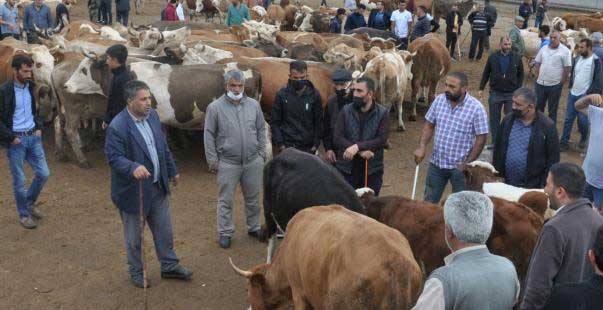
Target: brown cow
[[333, 258], [431, 63], [593, 22], [514, 232]]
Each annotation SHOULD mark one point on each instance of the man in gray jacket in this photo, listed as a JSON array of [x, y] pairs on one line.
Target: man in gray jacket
[[559, 255], [235, 149], [473, 278]]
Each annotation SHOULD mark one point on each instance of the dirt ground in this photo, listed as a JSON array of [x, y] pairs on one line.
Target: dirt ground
[[76, 258]]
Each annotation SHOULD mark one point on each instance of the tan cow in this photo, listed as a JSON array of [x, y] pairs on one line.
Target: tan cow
[[431, 64], [332, 258], [344, 56]]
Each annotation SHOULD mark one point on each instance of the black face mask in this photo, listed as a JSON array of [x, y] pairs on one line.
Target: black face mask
[[452, 97], [298, 84], [358, 103], [518, 113], [340, 93]]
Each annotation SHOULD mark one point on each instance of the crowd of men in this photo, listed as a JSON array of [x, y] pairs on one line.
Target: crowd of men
[[36, 15]]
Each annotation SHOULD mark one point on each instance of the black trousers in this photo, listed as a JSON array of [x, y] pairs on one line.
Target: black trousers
[[451, 38], [122, 17], [106, 15], [477, 41], [548, 95]]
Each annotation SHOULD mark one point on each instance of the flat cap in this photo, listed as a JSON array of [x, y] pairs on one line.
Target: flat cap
[[341, 75], [596, 37], [519, 18]]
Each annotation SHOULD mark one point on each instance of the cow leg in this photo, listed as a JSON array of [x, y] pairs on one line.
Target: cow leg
[[431, 92], [401, 126], [271, 248], [73, 135], [299, 303], [413, 98], [58, 139]]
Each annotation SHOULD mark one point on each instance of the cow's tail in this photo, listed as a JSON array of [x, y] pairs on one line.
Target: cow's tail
[[270, 224]]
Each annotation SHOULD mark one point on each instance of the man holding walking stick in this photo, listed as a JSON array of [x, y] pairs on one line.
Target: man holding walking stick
[[360, 135], [139, 157]]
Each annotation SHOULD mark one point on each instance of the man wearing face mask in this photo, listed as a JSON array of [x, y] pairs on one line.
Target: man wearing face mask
[[341, 82], [526, 145], [460, 125], [472, 278], [559, 255], [297, 112], [235, 149], [360, 136]]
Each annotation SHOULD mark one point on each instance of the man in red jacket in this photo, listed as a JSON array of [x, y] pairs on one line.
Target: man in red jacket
[[169, 13]]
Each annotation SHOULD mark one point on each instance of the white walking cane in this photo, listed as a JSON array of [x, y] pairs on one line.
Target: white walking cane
[[414, 183]]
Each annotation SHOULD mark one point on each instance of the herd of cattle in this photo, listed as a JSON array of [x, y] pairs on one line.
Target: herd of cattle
[[342, 258]]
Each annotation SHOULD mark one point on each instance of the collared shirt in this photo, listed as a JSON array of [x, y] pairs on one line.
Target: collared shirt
[[552, 63], [517, 153], [147, 134], [455, 129], [558, 210], [9, 14], [23, 119], [432, 297], [40, 17], [544, 42]]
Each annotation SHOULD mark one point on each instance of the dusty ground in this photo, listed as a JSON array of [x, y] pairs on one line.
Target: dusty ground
[[76, 260]]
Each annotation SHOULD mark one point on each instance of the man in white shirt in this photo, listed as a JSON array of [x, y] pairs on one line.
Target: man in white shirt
[[180, 11], [473, 278], [553, 64], [586, 79], [402, 23], [349, 4]]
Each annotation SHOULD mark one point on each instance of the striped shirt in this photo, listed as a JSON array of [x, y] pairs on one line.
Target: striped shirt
[[479, 21], [455, 129]]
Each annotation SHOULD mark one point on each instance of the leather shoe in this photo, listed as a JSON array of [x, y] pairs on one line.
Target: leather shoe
[[258, 234], [179, 273], [27, 222], [35, 213], [224, 242], [139, 282]]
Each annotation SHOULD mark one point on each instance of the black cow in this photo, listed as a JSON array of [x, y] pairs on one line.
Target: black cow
[[295, 180], [374, 33]]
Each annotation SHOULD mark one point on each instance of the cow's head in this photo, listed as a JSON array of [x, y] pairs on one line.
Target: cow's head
[[148, 37], [407, 57], [268, 46], [261, 293], [92, 76], [479, 172]]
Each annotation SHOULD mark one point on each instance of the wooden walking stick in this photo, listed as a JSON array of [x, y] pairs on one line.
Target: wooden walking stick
[[366, 173], [142, 252]]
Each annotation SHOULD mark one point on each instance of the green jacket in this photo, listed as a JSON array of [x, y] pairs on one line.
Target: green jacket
[[517, 41]]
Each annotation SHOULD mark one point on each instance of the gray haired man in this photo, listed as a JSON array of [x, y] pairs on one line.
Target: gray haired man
[[235, 149], [473, 278]]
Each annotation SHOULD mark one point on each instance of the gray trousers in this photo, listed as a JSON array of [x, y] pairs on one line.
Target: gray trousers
[[160, 224], [496, 102], [250, 178]]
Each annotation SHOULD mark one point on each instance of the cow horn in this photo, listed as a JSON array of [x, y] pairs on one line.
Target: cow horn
[[239, 271], [348, 58], [89, 54], [133, 32]]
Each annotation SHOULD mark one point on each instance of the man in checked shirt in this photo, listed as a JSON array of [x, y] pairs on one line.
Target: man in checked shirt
[[460, 124]]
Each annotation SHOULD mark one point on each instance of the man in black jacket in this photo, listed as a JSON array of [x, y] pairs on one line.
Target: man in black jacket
[[380, 17], [423, 25], [297, 112], [583, 295], [341, 83], [116, 60], [526, 144], [454, 21], [21, 135], [360, 136], [504, 70]]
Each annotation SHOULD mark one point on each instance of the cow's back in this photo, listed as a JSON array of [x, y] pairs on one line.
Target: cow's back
[[432, 61], [338, 259]]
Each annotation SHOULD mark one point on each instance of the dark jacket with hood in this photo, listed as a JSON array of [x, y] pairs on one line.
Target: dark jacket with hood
[[543, 149], [297, 118], [7, 111], [332, 109]]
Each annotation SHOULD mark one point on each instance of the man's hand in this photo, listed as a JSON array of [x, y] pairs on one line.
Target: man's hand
[[419, 155], [350, 152], [330, 157], [141, 173], [596, 100], [175, 180], [480, 94], [38, 133], [368, 155], [104, 125], [16, 141]]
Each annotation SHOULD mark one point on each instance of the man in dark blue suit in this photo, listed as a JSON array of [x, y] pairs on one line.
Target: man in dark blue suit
[[138, 154]]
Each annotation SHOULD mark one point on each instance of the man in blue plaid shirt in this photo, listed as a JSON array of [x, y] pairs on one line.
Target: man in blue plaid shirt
[[460, 124]]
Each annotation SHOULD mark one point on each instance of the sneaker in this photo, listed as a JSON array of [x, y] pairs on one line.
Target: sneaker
[[178, 273], [564, 147], [583, 144], [489, 146], [27, 222], [138, 281], [224, 242], [258, 234], [33, 211]]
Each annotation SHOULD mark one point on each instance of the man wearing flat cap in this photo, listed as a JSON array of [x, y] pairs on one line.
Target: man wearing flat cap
[[517, 44], [341, 83], [597, 37]]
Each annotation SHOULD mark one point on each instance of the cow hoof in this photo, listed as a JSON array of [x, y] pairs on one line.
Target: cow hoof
[[422, 99], [85, 165], [401, 128], [412, 118]]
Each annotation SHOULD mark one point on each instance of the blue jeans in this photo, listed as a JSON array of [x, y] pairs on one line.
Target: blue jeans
[[570, 115], [538, 21], [595, 195], [437, 179], [31, 150]]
